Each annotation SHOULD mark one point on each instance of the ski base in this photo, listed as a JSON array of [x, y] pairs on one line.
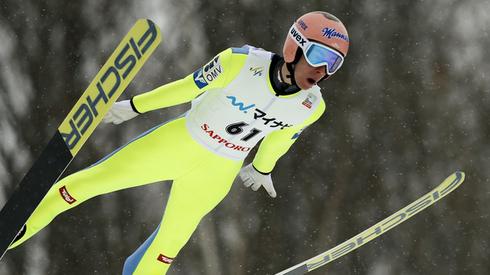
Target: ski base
[[109, 83], [447, 186]]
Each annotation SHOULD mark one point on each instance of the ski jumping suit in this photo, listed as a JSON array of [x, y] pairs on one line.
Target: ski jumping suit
[[234, 106]]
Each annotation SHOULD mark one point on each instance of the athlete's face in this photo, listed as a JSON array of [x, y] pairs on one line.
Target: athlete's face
[[306, 75]]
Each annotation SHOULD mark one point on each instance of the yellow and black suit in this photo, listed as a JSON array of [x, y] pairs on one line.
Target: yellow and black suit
[[234, 106]]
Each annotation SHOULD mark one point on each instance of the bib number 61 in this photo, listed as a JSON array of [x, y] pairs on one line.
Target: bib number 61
[[237, 128]]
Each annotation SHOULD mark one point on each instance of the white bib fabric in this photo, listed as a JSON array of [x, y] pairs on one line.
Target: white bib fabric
[[231, 120]]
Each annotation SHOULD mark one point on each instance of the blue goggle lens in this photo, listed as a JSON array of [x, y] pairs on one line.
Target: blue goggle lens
[[319, 55]]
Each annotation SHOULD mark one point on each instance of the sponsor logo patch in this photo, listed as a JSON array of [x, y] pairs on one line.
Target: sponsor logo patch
[[298, 37], [308, 102], [257, 70], [332, 33], [66, 196], [241, 106], [208, 73], [220, 140], [258, 114], [164, 259], [302, 24]]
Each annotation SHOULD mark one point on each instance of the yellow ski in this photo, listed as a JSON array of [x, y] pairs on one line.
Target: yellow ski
[[112, 79]]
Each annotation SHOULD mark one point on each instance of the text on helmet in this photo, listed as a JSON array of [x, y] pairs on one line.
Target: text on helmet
[[332, 33], [296, 35]]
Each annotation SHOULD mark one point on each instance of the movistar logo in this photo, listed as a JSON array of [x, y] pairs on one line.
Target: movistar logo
[[241, 106], [332, 33]]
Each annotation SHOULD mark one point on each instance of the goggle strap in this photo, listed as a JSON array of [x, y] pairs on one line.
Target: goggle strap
[[298, 37]]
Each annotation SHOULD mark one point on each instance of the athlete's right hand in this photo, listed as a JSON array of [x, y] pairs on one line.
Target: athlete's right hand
[[120, 112]]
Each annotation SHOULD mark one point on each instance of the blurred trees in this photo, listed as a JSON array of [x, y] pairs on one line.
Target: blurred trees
[[409, 107]]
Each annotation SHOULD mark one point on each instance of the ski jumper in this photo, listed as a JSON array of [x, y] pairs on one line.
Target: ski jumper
[[234, 106]]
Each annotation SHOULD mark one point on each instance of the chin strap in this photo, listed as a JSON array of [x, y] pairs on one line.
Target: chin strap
[[279, 85], [290, 67]]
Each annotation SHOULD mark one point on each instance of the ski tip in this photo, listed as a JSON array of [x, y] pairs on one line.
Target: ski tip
[[450, 183], [460, 175], [145, 23], [457, 177]]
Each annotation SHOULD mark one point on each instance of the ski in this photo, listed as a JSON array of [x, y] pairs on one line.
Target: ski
[[109, 83], [446, 187]]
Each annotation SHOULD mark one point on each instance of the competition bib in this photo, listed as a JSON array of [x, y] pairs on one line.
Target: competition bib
[[231, 120]]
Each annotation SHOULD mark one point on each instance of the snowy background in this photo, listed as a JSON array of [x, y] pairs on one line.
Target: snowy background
[[410, 106]]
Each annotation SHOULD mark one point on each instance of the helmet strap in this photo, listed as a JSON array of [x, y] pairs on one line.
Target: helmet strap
[[276, 76], [291, 77], [292, 65]]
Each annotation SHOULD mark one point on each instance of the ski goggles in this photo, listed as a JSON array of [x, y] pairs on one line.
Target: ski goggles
[[317, 54]]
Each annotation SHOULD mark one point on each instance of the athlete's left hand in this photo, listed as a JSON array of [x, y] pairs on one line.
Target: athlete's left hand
[[254, 179]]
